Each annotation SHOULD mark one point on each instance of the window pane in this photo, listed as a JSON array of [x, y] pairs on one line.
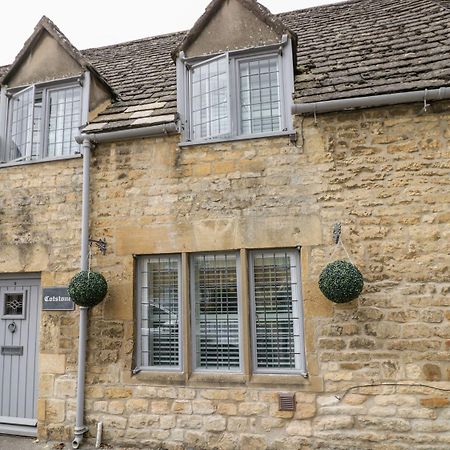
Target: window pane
[[276, 310], [209, 87], [216, 312], [64, 106], [20, 127], [260, 91], [160, 306]]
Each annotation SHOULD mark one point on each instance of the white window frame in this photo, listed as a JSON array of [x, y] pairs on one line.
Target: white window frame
[[286, 73], [141, 282], [83, 82], [299, 344]]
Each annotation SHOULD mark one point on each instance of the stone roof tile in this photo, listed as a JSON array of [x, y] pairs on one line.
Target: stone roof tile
[[349, 49]]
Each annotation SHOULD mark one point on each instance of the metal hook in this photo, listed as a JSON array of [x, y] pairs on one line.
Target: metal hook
[[337, 230], [425, 104]]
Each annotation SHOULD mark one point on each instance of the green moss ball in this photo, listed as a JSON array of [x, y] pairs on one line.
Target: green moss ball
[[88, 288], [341, 282]]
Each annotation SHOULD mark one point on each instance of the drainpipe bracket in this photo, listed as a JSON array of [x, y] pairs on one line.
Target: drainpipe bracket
[[80, 430]]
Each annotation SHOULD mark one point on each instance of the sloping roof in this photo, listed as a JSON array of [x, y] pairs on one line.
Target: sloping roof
[[350, 49], [143, 73], [3, 70], [365, 47]]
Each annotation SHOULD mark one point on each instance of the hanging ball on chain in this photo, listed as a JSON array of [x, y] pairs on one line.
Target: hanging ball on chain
[[88, 288], [341, 281]]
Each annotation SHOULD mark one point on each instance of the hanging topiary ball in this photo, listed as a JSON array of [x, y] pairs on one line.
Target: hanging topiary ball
[[88, 288], [341, 281]]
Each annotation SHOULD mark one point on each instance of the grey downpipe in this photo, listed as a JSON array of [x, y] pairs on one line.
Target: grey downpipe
[[80, 427], [371, 101], [85, 140]]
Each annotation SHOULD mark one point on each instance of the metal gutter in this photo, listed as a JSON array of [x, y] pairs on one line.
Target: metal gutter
[[133, 133], [425, 95]]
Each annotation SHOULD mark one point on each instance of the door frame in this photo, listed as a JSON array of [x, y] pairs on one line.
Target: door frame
[[24, 426]]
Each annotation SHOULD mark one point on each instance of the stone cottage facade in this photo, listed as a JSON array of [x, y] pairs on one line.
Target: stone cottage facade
[[220, 159]]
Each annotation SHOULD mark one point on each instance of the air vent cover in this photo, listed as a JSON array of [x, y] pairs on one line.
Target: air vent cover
[[286, 401]]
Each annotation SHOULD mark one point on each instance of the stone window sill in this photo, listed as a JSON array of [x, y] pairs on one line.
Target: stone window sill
[[213, 380], [291, 133], [39, 161]]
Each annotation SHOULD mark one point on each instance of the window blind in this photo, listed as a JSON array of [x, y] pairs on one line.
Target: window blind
[[160, 318], [276, 310], [216, 311]]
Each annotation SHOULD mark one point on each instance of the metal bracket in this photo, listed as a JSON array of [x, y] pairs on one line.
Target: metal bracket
[[337, 230], [101, 245]]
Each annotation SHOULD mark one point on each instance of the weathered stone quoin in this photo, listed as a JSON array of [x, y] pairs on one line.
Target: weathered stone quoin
[[378, 367]]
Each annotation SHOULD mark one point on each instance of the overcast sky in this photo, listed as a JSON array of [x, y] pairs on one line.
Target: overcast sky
[[94, 23]]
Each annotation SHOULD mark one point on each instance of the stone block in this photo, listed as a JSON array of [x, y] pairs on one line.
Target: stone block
[[182, 407], [65, 388], [252, 408], [215, 394], [432, 372], [226, 408], [55, 411], [237, 424], [203, 407], [435, 402], [46, 383], [214, 423], [167, 422], [190, 421], [161, 406], [333, 422], [305, 411], [253, 442], [299, 428], [117, 392], [116, 407], [52, 363], [137, 405], [143, 420]]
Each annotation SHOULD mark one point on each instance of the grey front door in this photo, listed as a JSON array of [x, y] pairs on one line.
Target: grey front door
[[19, 313]]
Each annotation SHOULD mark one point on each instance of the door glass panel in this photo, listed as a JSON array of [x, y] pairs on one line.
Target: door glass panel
[[14, 304]]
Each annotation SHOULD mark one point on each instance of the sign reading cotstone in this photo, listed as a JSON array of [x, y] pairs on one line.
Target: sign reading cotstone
[[56, 299]]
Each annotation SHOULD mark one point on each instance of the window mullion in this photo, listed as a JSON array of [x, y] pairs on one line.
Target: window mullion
[[246, 329], [232, 94], [185, 323], [30, 127], [43, 153]]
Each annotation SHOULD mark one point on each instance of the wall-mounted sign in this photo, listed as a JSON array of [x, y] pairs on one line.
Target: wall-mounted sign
[[56, 299]]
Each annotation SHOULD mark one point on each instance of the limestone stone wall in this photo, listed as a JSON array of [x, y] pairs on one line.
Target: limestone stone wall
[[378, 367], [383, 173], [40, 207]]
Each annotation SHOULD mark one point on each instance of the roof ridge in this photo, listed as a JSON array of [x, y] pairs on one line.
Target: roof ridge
[[133, 41], [328, 5], [442, 4]]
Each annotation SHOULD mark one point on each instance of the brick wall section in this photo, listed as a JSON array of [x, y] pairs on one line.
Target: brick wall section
[[384, 174]]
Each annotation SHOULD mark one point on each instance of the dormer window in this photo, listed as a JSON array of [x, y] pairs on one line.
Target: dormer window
[[236, 95], [42, 122]]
